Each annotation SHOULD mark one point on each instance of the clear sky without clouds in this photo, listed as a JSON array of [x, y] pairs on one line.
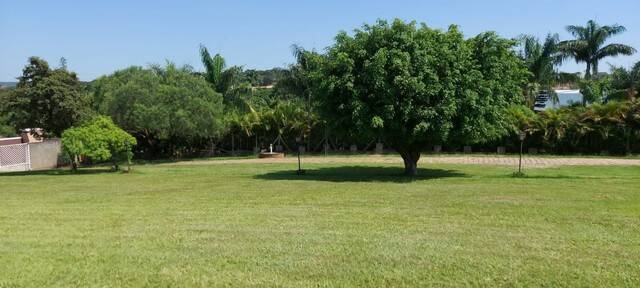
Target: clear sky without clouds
[[99, 37]]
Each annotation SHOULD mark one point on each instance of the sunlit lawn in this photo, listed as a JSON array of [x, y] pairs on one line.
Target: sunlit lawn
[[262, 225]]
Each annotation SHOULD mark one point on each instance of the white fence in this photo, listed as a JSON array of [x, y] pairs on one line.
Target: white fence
[[15, 158]]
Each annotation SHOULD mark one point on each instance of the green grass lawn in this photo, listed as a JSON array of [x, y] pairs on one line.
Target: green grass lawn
[[262, 225]]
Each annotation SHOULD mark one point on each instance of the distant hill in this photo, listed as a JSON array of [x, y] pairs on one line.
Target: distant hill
[[13, 84], [8, 84]]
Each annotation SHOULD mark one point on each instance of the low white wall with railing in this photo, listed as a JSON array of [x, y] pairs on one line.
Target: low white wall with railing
[[30, 156], [15, 157]]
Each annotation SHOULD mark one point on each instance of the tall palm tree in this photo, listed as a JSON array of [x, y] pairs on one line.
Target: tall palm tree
[[214, 66], [226, 81], [588, 45], [541, 58], [297, 81]]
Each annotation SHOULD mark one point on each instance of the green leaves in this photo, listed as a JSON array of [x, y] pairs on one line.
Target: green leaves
[[214, 67], [418, 86], [224, 81], [100, 140], [541, 59], [161, 103], [44, 98], [377, 122], [593, 91], [588, 45]]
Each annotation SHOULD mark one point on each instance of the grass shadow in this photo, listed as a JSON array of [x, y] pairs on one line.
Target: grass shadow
[[360, 174], [59, 172]]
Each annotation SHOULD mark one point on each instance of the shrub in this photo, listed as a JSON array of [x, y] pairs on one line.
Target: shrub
[[99, 140]]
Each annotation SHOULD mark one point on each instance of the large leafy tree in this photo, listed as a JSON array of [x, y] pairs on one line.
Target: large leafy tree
[[589, 46], [52, 99], [416, 86], [167, 107]]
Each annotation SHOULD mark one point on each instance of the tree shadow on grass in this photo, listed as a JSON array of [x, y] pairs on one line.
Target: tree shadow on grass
[[360, 174], [59, 172]]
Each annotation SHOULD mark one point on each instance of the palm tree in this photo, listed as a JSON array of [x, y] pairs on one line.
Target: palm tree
[[588, 45], [622, 116], [214, 66], [541, 59], [225, 81], [556, 124], [297, 81], [287, 117]]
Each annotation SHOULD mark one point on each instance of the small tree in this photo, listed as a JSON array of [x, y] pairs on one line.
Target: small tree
[[99, 140], [594, 91]]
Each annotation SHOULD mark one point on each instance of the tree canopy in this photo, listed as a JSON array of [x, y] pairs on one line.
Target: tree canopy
[[625, 83], [51, 99], [100, 140], [589, 46], [416, 86], [541, 59], [227, 81], [170, 105], [5, 128]]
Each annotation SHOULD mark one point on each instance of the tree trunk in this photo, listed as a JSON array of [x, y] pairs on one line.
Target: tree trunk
[[233, 145], [628, 144], [587, 75], [410, 159], [114, 162], [594, 68], [74, 163]]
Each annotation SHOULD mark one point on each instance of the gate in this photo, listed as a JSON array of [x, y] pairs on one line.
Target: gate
[[15, 157]]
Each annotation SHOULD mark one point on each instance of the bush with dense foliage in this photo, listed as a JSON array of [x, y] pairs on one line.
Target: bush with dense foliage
[[99, 140], [611, 127], [170, 110]]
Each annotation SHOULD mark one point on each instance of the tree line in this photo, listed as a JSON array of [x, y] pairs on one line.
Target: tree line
[[400, 83]]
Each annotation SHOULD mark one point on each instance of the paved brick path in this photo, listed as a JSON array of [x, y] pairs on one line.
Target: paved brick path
[[528, 161], [532, 161]]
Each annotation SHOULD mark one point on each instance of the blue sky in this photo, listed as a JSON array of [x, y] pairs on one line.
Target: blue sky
[[99, 37]]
